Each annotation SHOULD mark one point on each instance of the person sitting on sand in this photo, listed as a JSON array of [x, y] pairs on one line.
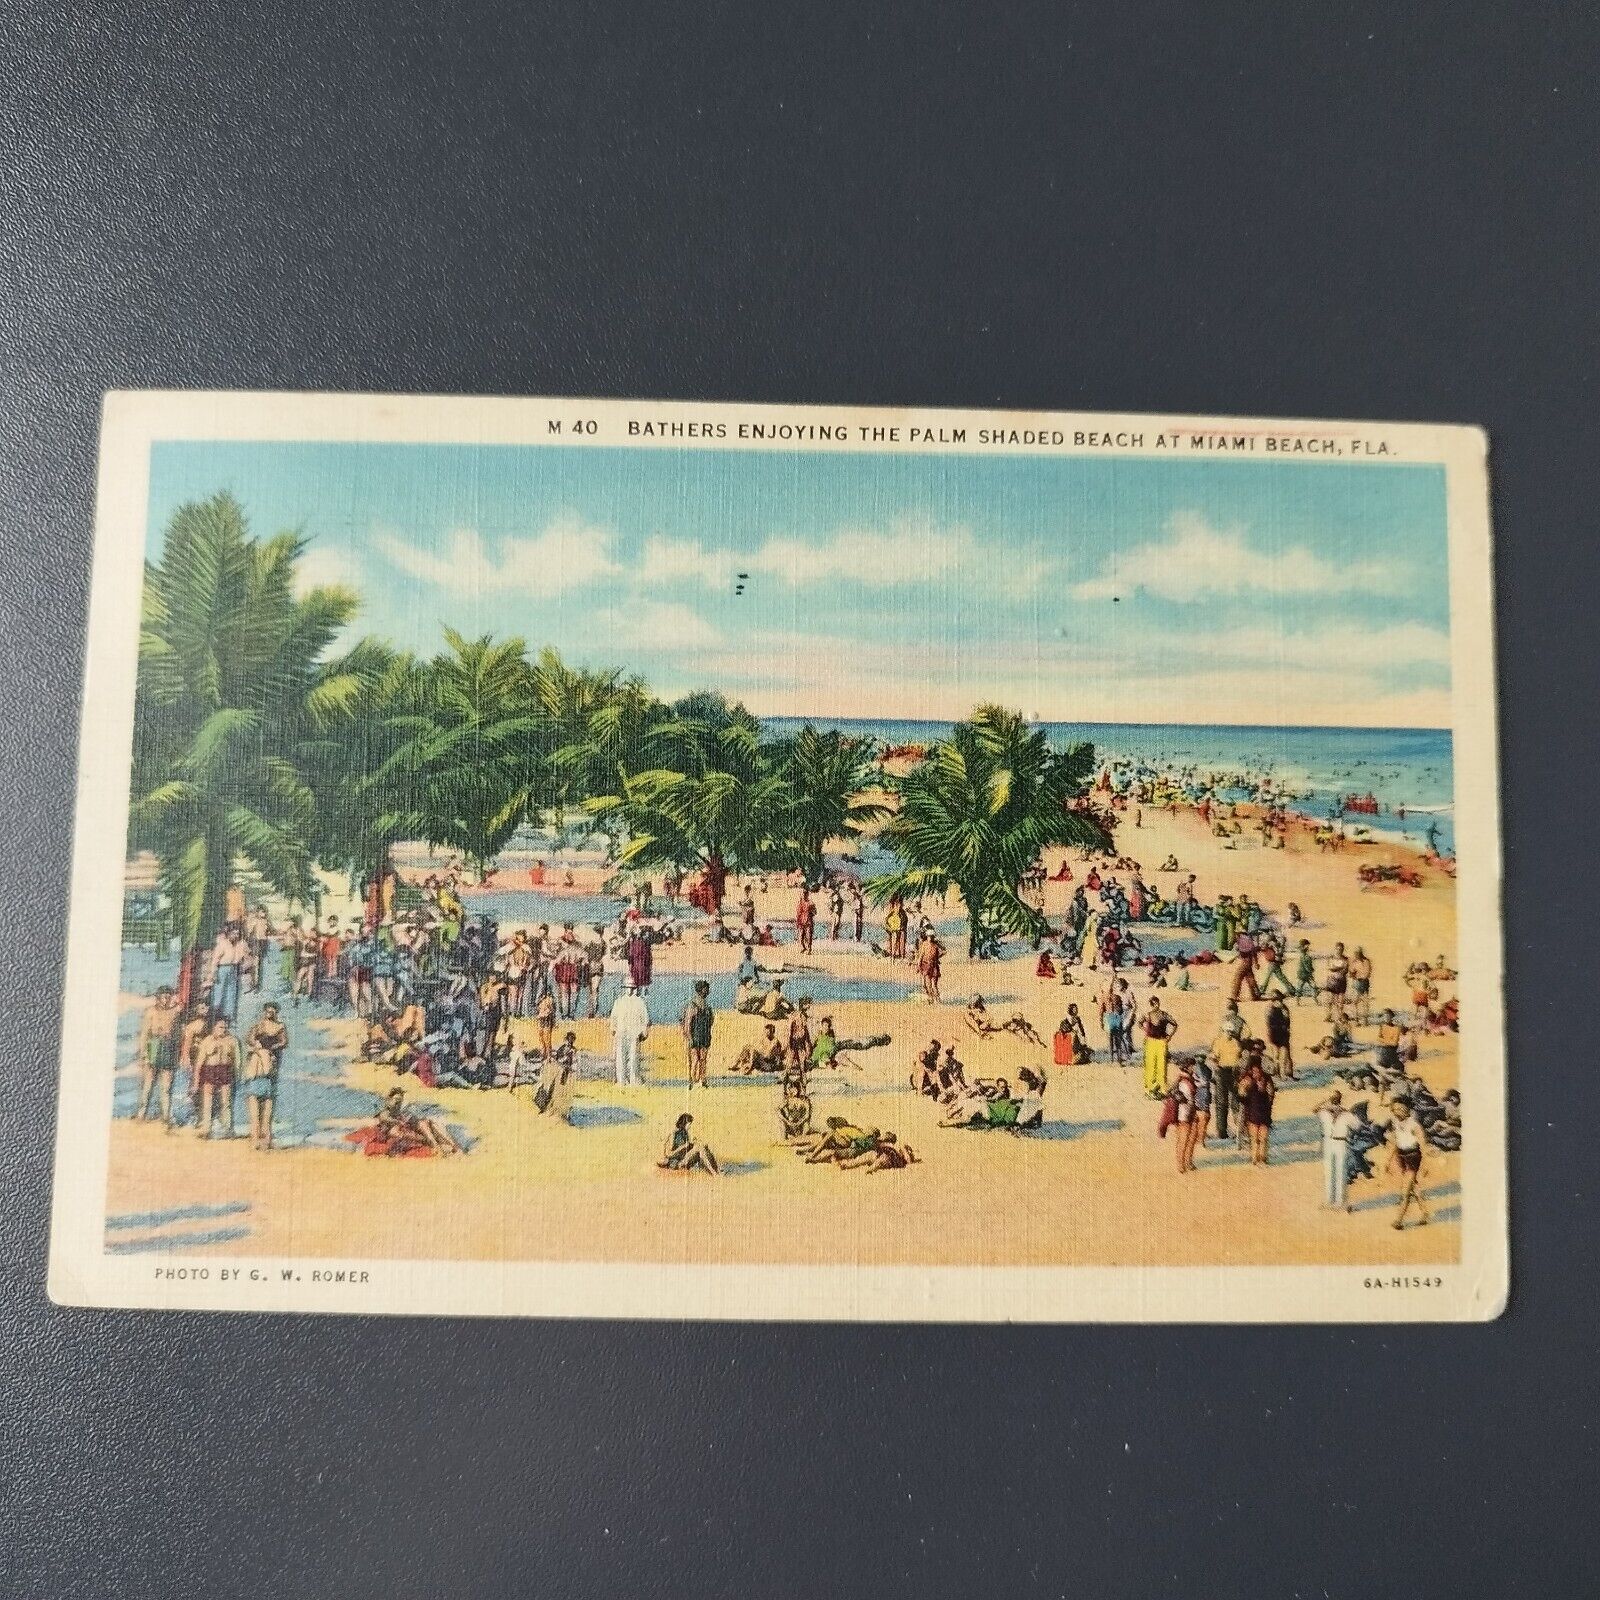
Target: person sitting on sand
[[1045, 968], [401, 1131], [775, 1004], [926, 1079], [825, 1046], [684, 1153], [765, 1056], [952, 1072], [1030, 1102], [1071, 1044], [979, 1021], [794, 1110], [886, 1154]]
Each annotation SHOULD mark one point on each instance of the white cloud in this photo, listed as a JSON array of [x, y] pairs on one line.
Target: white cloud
[[1331, 677], [572, 554], [568, 554], [1332, 648], [1197, 561], [904, 554], [325, 566], [657, 625]]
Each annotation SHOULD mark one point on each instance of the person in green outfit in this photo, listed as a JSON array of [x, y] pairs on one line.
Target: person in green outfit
[[698, 1018], [1305, 974], [1227, 922]]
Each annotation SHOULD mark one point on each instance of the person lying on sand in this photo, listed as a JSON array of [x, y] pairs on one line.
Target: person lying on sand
[[838, 1140], [979, 1021], [885, 1154]]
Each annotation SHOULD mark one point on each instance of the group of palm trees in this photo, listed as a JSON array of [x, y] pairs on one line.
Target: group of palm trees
[[265, 740]]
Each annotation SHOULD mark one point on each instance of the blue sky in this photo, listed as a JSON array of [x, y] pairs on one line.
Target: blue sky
[[894, 585]]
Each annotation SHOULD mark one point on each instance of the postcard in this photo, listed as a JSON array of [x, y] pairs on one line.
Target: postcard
[[618, 858]]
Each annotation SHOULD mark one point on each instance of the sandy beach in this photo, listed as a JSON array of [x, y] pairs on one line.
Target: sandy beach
[[1095, 1186]]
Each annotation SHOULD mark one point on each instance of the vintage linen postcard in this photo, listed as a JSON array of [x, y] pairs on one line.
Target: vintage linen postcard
[[553, 857]]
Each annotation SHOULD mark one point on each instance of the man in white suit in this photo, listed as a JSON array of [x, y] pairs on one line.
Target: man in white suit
[[630, 1022]]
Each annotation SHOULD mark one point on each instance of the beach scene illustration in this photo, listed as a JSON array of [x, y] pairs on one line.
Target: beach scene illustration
[[614, 855]]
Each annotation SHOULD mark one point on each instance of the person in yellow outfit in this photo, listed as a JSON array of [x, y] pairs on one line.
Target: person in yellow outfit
[[1159, 1028]]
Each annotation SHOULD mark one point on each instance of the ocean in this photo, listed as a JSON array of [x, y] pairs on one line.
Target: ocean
[[1409, 770]]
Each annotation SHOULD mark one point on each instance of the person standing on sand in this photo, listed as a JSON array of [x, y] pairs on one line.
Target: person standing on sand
[[836, 910], [698, 1021], [158, 1052], [189, 1042], [1305, 974], [265, 1044], [1226, 1054], [640, 956], [1360, 988], [858, 909], [630, 1023], [1279, 1029], [1159, 1029], [217, 1061], [545, 1012], [1406, 1139], [1183, 900], [1255, 1111], [805, 921], [1337, 982], [1226, 927], [230, 955], [258, 935], [1192, 1135], [1244, 966], [1338, 1123], [594, 967], [930, 960], [894, 929], [1272, 950], [517, 961]]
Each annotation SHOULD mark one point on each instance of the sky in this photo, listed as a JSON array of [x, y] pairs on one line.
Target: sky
[[1086, 589]]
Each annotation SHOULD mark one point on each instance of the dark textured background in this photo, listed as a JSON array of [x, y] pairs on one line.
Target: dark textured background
[[1356, 216]]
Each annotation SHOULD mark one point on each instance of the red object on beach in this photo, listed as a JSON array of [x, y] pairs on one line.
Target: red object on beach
[[1169, 1115], [374, 1142]]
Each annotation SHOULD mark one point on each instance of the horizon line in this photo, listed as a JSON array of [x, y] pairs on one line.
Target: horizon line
[[1037, 722]]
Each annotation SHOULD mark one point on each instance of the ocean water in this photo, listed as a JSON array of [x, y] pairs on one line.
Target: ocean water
[[1409, 770]]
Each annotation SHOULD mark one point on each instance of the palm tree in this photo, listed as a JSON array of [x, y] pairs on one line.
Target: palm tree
[[974, 814], [712, 799], [232, 686], [366, 803], [825, 774], [468, 762]]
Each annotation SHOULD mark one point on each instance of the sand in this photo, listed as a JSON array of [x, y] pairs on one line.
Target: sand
[[1097, 1188]]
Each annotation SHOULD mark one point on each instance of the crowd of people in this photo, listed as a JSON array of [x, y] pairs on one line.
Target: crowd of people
[[440, 994]]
